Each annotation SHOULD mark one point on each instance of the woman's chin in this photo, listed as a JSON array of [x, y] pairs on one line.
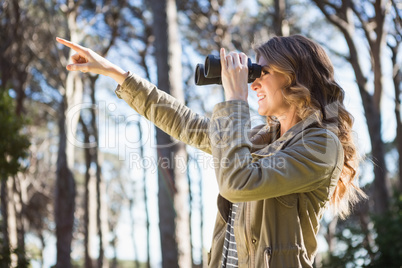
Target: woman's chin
[[262, 112]]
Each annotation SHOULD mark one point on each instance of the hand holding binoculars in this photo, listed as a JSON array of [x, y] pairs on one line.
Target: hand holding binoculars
[[211, 73]]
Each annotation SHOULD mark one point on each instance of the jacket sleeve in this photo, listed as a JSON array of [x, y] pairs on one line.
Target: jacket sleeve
[[305, 164], [167, 113]]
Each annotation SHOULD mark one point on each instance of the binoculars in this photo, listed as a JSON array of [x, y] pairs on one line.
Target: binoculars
[[210, 73]]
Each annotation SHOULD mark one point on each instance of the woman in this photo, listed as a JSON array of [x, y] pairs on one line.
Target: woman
[[276, 180]]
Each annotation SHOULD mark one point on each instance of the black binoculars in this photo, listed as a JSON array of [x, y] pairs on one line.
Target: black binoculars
[[211, 73]]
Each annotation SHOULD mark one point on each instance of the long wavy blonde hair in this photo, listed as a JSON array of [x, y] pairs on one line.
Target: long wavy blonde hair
[[312, 89]]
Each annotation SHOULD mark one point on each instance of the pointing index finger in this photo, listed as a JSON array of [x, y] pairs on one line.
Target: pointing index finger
[[71, 45]]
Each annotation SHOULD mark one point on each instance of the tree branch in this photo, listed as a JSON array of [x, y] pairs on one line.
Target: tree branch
[[367, 26], [333, 18]]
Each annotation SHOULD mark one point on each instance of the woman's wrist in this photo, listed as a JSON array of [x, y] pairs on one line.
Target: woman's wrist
[[117, 74], [235, 96]]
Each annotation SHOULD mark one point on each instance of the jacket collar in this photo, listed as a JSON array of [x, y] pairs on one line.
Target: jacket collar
[[268, 141]]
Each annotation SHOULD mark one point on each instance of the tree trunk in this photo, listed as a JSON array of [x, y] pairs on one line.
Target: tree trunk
[[87, 153], [173, 187], [281, 26], [12, 222], [132, 225], [114, 247], [362, 212], [331, 232], [18, 203], [99, 192], [64, 197], [5, 246], [397, 85], [42, 248], [397, 80], [65, 184], [143, 54], [144, 190]]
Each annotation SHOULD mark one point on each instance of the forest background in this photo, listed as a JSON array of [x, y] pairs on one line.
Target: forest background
[[87, 182]]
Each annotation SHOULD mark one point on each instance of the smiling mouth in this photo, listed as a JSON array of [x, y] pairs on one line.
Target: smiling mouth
[[261, 97]]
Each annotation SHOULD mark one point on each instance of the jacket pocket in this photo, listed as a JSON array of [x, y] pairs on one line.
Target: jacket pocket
[[285, 257], [267, 256]]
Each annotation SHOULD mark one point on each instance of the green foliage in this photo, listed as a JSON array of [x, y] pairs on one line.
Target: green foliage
[[13, 144], [5, 256], [13, 148], [349, 251], [387, 251], [6, 252], [389, 234]]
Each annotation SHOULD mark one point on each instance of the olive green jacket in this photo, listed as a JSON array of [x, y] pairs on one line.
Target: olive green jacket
[[282, 185]]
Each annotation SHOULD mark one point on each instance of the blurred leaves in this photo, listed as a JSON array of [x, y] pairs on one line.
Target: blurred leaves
[[387, 250], [13, 143], [389, 234]]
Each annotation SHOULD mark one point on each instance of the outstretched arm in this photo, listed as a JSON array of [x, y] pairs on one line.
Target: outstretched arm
[[86, 60], [163, 110]]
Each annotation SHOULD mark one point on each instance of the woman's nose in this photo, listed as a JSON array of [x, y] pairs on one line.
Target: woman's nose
[[255, 85]]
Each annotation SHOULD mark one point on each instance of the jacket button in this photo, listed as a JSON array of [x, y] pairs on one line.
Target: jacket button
[[254, 241]]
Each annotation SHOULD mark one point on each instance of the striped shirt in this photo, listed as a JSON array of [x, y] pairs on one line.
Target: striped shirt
[[229, 254]]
